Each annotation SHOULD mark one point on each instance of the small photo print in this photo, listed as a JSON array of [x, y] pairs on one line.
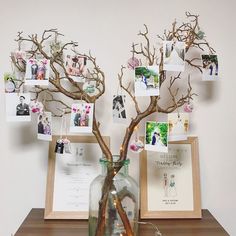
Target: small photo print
[[19, 56], [118, 108], [81, 118], [210, 67], [146, 81], [178, 126], [174, 55], [75, 66], [17, 107], [45, 126], [156, 136], [37, 72]]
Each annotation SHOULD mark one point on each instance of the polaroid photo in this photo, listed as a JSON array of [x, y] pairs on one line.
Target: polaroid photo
[[17, 107], [19, 57], [45, 126], [75, 67], [210, 67], [146, 81], [118, 109], [178, 126], [156, 136], [174, 55], [37, 72], [81, 118]]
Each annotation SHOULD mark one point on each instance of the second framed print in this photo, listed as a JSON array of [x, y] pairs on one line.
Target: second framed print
[[71, 169], [170, 183]]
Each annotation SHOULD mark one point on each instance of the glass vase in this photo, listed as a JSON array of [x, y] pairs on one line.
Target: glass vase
[[126, 189]]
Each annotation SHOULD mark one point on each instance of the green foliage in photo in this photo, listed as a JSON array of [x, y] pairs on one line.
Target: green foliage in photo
[[152, 127], [147, 72]]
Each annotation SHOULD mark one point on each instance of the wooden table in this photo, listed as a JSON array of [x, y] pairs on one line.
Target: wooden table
[[35, 225]]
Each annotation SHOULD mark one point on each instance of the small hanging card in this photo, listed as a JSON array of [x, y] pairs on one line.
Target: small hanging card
[[45, 126], [173, 55], [17, 107], [178, 126], [118, 109], [210, 67], [81, 118], [146, 81], [156, 136], [75, 67], [37, 72]]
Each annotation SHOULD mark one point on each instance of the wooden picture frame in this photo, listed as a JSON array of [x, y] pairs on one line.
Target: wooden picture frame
[[158, 200], [55, 206]]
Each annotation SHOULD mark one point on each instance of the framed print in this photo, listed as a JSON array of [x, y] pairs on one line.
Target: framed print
[[69, 177], [169, 182]]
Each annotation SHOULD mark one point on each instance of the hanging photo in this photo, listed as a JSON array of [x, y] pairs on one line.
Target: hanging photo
[[210, 67], [19, 57], [45, 126], [118, 108], [178, 126], [75, 66], [156, 136], [81, 118], [37, 72], [17, 107], [146, 81], [174, 55]]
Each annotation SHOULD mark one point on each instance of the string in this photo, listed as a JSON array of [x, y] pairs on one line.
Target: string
[[62, 123], [157, 231]]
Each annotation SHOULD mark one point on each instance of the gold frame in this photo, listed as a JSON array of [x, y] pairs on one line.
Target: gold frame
[[49, 213], [196, 213]]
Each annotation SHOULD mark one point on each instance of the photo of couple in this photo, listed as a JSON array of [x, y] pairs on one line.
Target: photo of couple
[[210, 67], [75, 66], [146, 81], [156, 136], [174, 55], [37, 72], [81, 118], [44, 126], [118, 108], [178, 126]]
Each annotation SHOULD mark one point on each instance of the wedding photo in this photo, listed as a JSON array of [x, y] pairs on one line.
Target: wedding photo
[[118, 108], [45, 126], [17, 107], [174, 55], [75, 66], [210, 67], [81, 118], [156, 136], [37, 72], [146, 81], [178, 126]]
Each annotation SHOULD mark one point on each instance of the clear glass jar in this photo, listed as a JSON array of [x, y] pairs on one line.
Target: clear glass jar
[[127, 190]]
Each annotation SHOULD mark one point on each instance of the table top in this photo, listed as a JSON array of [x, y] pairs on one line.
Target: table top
[[35, 225]]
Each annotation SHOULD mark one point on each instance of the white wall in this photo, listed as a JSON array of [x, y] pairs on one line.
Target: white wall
[[108, 28]]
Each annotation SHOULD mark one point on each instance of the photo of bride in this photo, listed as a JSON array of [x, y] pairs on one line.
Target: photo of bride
[[210, 67], [174, 55]]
